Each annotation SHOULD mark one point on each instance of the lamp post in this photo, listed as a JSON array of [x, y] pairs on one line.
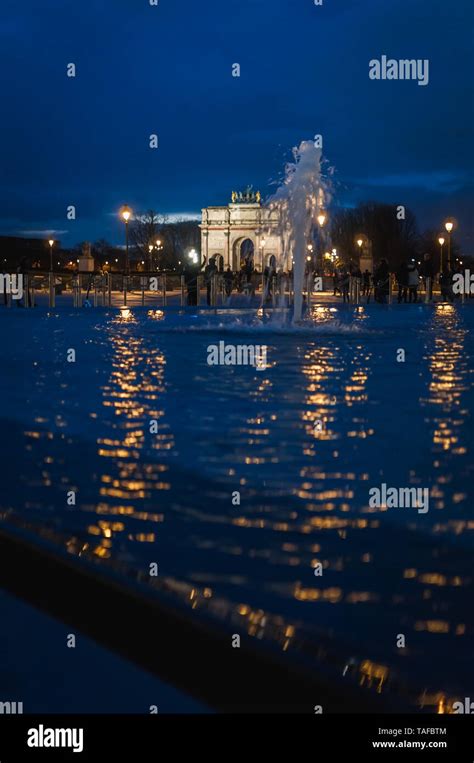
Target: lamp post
[[159, 247], [126, 214], [441, 244], [51, 244], [360, 243], [321, 218], [262, 247], [449, 225]]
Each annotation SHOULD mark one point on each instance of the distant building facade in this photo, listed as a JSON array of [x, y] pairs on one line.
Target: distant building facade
[[240, 230]]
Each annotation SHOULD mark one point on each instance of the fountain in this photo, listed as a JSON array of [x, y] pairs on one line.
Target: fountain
[[299, 199]]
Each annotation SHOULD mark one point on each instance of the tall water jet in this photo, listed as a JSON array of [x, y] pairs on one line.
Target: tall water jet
[[299, 199]]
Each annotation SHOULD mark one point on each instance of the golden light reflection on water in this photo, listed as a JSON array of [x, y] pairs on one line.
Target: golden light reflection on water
[[125, 315], [447, 363], [156, 315], [318, 518], [136, 385]]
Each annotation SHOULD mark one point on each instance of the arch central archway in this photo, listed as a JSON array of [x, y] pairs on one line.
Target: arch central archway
[[243, 250], [247, 252]]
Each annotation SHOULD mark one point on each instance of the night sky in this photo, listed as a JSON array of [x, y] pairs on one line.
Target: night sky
[[84, 141]]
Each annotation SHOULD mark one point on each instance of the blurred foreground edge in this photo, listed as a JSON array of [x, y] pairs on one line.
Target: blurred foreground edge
[[192, 655]]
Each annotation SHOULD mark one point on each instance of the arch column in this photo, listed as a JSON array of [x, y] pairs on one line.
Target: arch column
[[227, 249]]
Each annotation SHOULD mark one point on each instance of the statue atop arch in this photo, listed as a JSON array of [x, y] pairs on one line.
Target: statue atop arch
[[249, 196]]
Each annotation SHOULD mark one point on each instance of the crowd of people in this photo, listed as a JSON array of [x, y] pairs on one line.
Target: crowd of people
[[244, 281], [403, 284]]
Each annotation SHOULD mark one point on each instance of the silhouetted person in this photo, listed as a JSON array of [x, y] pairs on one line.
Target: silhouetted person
[[446, 285], [366, 282], [209, 273], [413, 281], [402, 281], [228, 281], [428, 272], [344, 284], [382, 282]]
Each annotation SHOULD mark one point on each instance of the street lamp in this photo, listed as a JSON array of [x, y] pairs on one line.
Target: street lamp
[[126, 214], [449, 225], [159, 246], [51, 244], [321, 218], [193, 256], [441, 241]]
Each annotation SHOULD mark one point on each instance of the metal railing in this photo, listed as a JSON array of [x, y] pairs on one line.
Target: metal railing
[[100, 289], [158, 289]]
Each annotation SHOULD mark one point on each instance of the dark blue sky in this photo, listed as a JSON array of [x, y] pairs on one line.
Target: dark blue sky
[[167, 70]]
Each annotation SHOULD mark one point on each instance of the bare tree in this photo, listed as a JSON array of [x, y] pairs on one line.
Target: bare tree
[[392, 238], [145, 230], [178, 239]]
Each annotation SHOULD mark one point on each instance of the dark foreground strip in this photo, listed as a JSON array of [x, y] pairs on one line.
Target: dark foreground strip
[[224, 738], [170, 644]]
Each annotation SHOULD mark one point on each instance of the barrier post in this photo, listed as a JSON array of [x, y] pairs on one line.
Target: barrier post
[[52, 301], [213, 290], [163, 289], [26, 293], [309, 291], [427, 289]]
